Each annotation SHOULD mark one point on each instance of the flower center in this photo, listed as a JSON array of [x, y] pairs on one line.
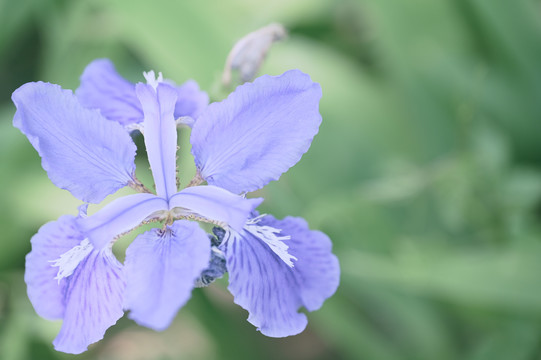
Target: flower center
[[179, 213]]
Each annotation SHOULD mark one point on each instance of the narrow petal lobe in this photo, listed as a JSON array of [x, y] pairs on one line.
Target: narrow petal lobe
[[160, 135], [119, 216], [80, 150], [257, 133], [215, 204], [272, 292], [161, 267]]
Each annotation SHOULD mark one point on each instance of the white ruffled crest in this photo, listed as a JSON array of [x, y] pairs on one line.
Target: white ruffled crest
[[270, 236], [68, 261]]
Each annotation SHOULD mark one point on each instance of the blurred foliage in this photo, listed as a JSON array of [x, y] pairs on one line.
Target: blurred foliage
[[426, 172]]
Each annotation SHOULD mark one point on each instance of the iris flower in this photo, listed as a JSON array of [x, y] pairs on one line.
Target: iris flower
[[239, 145]]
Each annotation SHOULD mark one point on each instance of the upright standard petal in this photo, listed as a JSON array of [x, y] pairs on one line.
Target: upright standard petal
[[52, 240], [161, 267], [120, 216], [272, 292], [160, 135], [215, 204], [103, 88], [94, 295], [257, 133], [191, 101], [80, 150]]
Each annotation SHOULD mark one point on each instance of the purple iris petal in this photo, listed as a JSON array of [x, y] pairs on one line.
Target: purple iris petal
[[89, 299], [191, 101], [216, 204], [94, 295], [103, 88], [80, 150], [269, 289], [119, 216], [52, 240], [258, 132], [161, 267], [160, 135]]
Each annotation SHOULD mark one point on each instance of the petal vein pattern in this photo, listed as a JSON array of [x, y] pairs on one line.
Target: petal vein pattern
[[268, 288], [257, 133], [94, 298], [89, 299], [80, 150]]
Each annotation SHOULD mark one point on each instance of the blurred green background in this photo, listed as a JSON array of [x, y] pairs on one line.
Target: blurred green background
[[426, 172]]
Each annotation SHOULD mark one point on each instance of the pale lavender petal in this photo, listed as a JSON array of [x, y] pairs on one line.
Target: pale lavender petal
[[317, 268], [80, 150], [258, 132], [161, 267], [104, 89], [52, 240], [191, 101], [89, 299], [216, 204], [272, 292], [94, 295], [120, 216], [160, 135]]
